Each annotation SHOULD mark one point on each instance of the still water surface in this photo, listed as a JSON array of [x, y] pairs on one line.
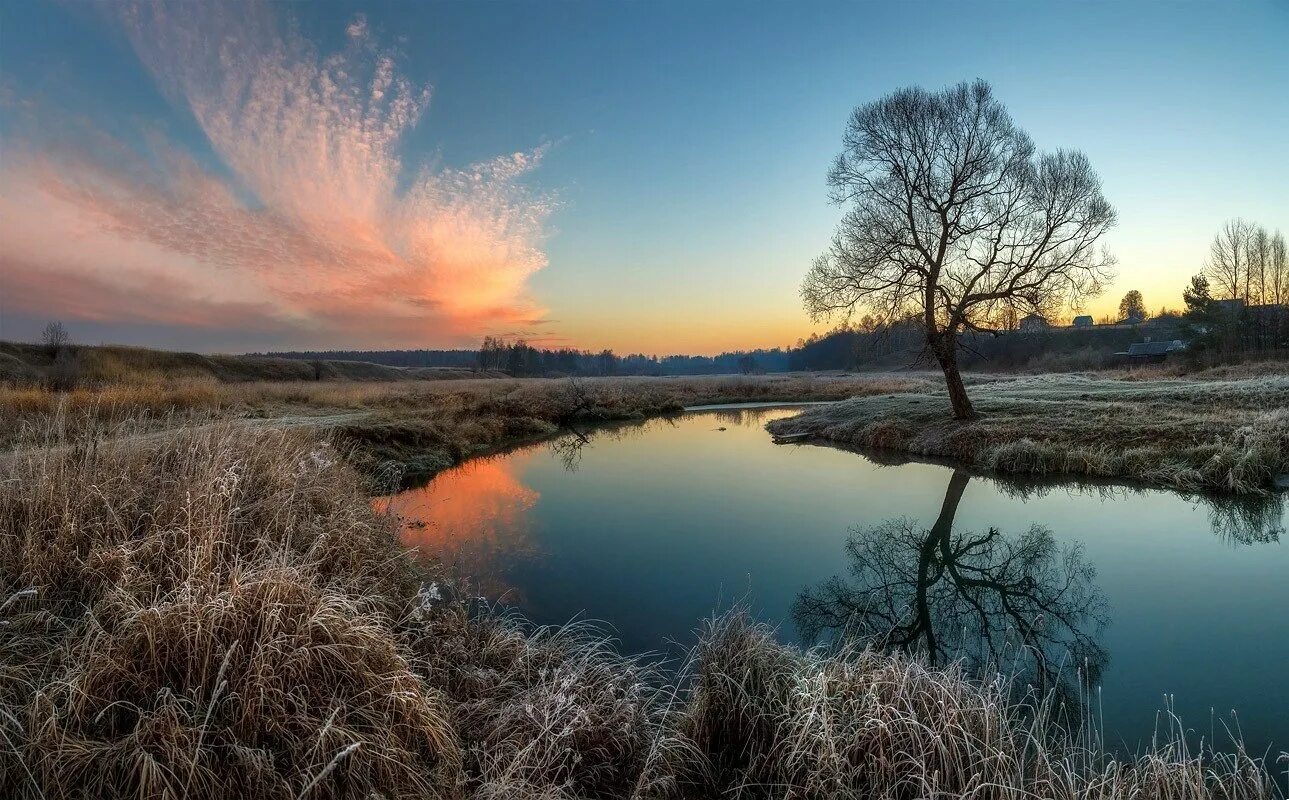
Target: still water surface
[[1164, 600]]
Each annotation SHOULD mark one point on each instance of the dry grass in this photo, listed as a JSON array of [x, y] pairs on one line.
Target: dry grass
[[778, 722], [1197, 434], [219, 613], [207, 615], [424, 429], [1207, 432], [415, 428]]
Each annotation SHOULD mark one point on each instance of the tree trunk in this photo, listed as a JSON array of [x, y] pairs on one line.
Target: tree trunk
[[946, 352]]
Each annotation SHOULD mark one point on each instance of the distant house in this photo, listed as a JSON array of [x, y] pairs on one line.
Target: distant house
[[1152, 351], [1083, 321], [1132, 319], [1163, 326], [1232, 306], [1269, 314], [1032, 323]]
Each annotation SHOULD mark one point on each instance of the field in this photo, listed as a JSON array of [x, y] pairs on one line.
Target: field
[[215, 611]]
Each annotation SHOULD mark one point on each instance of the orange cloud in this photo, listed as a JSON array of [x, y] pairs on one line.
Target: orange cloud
[[312, 228]]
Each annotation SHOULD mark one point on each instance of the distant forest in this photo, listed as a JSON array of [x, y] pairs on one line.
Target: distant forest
[[521, 359], [864, 346]]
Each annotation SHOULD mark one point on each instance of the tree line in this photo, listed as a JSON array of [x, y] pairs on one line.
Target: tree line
[[519, 358], [1239, 302], [1249, 263]]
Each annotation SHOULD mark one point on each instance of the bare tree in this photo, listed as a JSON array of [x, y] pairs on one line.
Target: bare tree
[[54, 337], [1227, 268], [1132, 306], [1278, 271], [955, 219], [1260, 261]]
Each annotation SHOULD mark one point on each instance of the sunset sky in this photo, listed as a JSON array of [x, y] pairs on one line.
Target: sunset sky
[[643, 176]]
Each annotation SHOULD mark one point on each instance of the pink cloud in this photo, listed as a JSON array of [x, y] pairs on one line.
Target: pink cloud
[[316, 228]]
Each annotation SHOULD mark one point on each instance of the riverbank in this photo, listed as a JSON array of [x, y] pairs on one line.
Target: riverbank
[[409, 430], [1194, 435], [218, 612], [1219, 431]]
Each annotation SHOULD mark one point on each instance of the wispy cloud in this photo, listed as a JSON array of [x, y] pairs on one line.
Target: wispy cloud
[[312, 229]]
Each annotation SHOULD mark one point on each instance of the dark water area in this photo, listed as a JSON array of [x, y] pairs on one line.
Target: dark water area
[[1155, 600]]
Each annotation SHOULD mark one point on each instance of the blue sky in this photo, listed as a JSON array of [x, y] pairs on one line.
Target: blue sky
[[681, 184]]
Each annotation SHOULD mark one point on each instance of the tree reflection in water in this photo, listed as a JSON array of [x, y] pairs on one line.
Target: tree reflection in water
[[1257, 519], [1014, 604], [568, 447]]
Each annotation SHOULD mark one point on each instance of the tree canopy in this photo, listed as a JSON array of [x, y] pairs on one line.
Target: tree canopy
[[1132, 306]]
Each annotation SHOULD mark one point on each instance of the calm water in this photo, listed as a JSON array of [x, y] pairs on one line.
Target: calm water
[[1164, 600]]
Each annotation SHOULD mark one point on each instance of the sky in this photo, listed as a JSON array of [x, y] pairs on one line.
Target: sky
[[644, 176]]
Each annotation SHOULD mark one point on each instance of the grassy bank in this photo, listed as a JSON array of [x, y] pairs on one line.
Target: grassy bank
[[218, 612], [415, 428], [1223, 430], [1229, 435]]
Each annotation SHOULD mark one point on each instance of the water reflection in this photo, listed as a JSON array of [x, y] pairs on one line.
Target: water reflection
[[1247, 520], [1016, 604], [474, 519], [743, 417], [569, 447], [1237, 520], [648, 526]]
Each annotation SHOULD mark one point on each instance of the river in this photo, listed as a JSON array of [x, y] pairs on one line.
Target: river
[[1135, 601]]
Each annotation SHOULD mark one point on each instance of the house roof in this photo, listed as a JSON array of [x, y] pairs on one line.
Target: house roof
[[1159, 348], [1082, 319]]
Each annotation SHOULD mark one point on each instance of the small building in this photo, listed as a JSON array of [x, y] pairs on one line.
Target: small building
[[1271, 314], [1083, 321], [1152, 351], [1033, 323], [1132, 319], [1233, 306]]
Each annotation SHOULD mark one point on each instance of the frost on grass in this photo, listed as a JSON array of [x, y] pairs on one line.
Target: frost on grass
[[1229, 436]]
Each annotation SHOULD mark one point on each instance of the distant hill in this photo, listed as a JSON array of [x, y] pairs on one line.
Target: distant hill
[[31, 363], [466, 359]]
